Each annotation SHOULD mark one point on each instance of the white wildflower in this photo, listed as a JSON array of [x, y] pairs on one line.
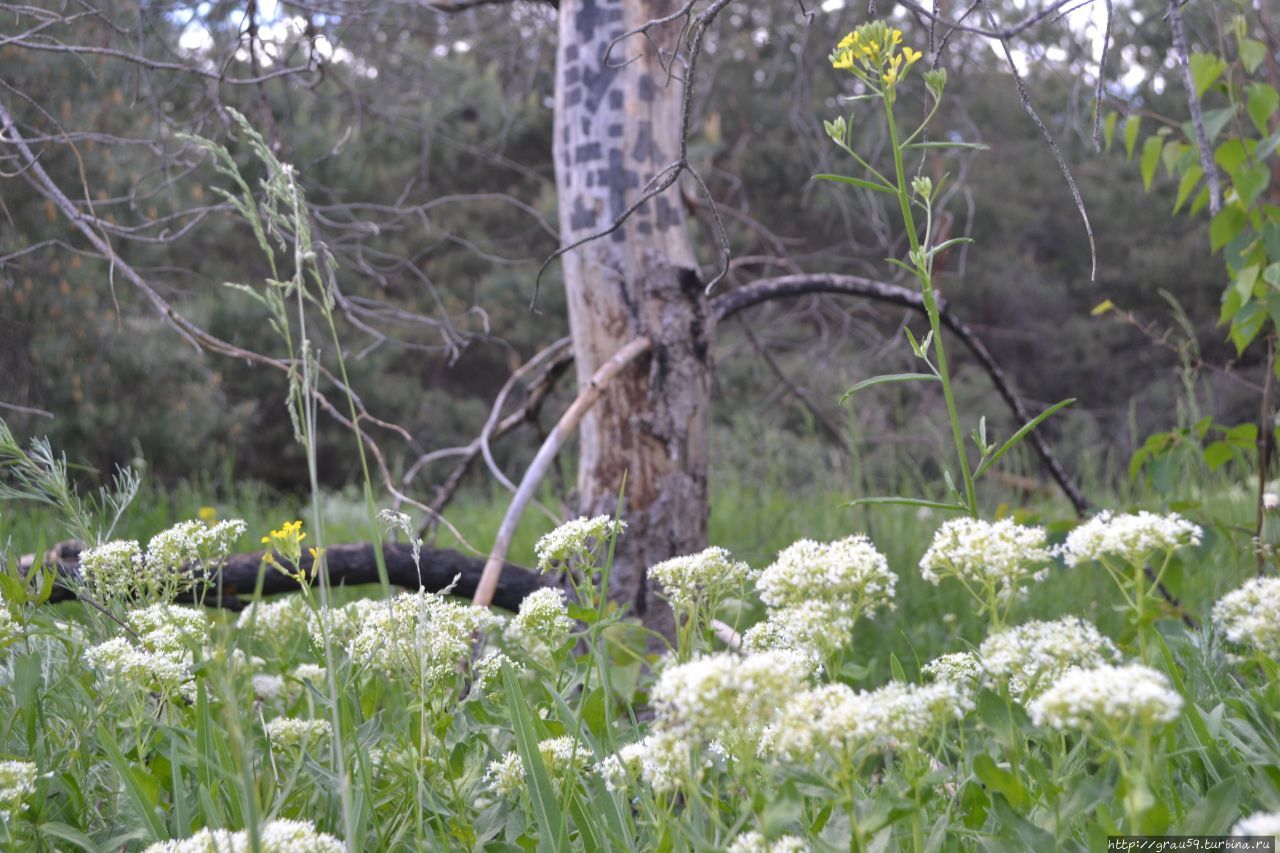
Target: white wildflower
[[575, 540], [311, 672], [1112, 695], [169, 628], [835, 718], [815, 629], [661, 760], [771, 635], [962, 668], [1132, 537], [849, 570], [419, 637], [1264, 824], [163, 671], [506, 775], [276, 622], [542, 625], [277, 836], [728, 696], [113, 570], [285, 732], [266, 686], [562, 756], [342, 624], [9, 630], [488, 674], [700, 579], [1028, 657], [1250, 615], [17, 784], [755, 842], [1002, 556]]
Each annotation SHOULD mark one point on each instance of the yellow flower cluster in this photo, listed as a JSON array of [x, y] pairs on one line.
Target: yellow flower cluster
[[871, 51], [287, 541]]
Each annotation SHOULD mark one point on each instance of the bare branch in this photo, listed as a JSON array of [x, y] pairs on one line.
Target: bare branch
[[728, 304], [563, 431]]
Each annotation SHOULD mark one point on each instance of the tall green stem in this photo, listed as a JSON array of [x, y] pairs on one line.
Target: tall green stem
[[931, 308]]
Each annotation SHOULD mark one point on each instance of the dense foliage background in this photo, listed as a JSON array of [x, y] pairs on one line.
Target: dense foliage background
[[424, 144]]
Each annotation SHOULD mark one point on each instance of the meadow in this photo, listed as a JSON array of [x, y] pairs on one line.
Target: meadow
[[363, 718]]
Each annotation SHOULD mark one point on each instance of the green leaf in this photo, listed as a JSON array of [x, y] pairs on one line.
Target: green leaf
[[1245, 281], [1243, 435], [1214, 122], [1021, 434], [1217, 454], [890, 501], [1205, 68], [1249, 182], [1199, 202], [1150, 159], [143, 790], [1246, 324], [1109, 130], [541, 793], [1231, 154], [1261, 105], [857, 182], [1224, 227], [1173, 155], [1252, 52], [1131, 126], [887, 378], [69, 834], [1190, 178], [967, 146], [996, 778]]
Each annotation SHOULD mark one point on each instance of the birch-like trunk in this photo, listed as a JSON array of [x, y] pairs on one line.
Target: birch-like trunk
[[617, 125]]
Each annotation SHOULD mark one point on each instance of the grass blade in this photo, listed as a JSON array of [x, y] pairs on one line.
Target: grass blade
[[1021, 434], [886, 378]]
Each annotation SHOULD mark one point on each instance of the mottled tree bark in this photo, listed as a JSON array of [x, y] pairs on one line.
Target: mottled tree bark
[[617, 126]]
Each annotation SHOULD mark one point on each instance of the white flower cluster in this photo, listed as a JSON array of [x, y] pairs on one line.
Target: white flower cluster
[[311, 672], [1251, 615], [166, 627], [960, 668], [1114, 696], [488, 675], [1132, 537], [726, 696], [161, 660], [287, 732], [816, 591], [755, 842], [847, 569], [277, 836], [8, 630], [575, 540], [563, 757], [836, 718], [812, 629], [277, 622], [1000, 554], [1027, 658], [661, 760], [542, 625], [419, 637], [112, 570], [1259, 824], [17, 783], [342, 624], [191, 542], [700, 579], [120, 570]]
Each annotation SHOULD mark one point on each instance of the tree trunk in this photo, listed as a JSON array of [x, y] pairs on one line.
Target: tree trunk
[[617, 125]]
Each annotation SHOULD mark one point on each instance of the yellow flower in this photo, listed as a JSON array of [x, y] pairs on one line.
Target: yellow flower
[[207, 514]]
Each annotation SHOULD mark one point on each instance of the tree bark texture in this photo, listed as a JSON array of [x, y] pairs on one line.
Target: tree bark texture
[[617, 126]]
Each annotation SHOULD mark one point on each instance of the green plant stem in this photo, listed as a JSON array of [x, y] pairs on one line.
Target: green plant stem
[[931, 308]]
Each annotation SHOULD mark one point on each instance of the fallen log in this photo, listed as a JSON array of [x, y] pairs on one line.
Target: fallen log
[[348, 565]]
